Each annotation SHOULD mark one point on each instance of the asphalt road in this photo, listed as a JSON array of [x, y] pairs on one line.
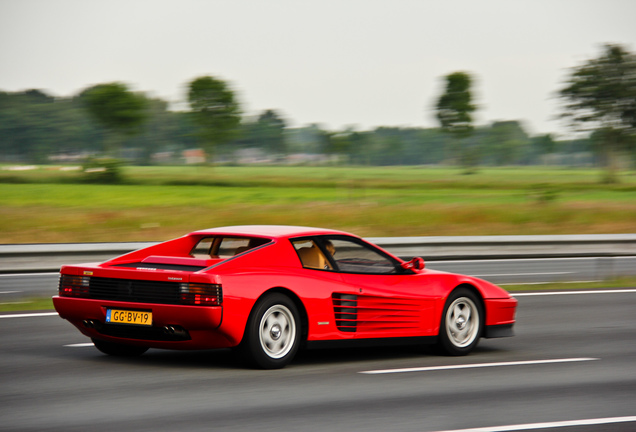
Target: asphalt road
[[49, 383]]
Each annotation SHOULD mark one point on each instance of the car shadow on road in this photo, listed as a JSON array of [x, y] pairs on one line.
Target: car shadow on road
[[227, 359], [218, 359], [379, 353]]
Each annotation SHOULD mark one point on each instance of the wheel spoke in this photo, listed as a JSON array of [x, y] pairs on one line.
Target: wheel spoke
[[467, 313], [267, 339], [454, 328], [457, 311]]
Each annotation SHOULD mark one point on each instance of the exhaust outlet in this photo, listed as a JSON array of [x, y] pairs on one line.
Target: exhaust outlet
[[90, 324]]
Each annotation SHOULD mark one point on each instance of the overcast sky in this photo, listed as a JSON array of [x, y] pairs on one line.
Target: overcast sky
[[361, 63]]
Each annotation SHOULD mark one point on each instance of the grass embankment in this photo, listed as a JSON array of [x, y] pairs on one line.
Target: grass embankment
[[30, 304], [157, 203]]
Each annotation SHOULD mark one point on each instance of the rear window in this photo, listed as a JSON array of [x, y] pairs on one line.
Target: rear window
[[225, 247]]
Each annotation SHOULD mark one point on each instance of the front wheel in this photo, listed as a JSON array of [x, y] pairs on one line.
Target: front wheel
[[273, 332], [119, 350], [462, 323]]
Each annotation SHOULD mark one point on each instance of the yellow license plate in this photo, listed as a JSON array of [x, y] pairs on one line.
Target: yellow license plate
[[118, 316]]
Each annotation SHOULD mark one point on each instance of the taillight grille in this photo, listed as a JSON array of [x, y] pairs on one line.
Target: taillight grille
[[136, 291], [74, 286], [200, 294], [140, 291]]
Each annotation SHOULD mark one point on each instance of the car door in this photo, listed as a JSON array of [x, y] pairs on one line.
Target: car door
[[383, 300], [320, 282]]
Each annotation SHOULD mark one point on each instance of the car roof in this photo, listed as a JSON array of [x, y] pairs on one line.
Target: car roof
[[271, 231]]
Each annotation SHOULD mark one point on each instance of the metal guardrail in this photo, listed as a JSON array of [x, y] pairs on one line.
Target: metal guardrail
[[16, 258], [510, 247]]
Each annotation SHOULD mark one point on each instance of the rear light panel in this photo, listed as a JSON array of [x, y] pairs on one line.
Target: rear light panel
[[74, 286], [200, 294], [195, 294]]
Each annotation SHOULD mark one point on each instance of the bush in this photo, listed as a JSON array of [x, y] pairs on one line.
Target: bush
[[544, 193], [103, 170]]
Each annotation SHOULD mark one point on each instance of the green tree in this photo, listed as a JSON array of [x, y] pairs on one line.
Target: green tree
[[454, 113], [271, 131], [541, 147], [505, 142], [160, 135], [117, 109], [600, 95], [215, 110], [34, 125], [341, 144]]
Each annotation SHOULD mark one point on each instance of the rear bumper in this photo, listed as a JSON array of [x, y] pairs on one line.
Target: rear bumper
[[173, 326]]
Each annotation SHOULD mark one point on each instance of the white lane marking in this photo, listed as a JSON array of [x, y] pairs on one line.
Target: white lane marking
[[549, 293], [80, 345], [477, 365], [29, 315], [549, 282], [523, 274], [28, 274], [9, 292], [549, 425]]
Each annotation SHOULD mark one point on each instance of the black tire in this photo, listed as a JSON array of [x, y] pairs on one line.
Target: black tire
[[119, 350], [462, 323], [272, 335]]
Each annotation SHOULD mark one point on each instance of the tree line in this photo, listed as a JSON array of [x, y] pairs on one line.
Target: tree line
[[109, 119]]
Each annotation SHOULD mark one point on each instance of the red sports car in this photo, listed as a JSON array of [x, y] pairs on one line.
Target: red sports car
[[269, 290]]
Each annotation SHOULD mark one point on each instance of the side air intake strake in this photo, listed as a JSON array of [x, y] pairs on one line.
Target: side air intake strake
[[360, 313], [345, 307]]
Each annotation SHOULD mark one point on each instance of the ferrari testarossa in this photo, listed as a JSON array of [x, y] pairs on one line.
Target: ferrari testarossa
[[270, 290]]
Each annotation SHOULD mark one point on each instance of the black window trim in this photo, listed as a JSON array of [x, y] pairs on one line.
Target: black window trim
[[319, 240], [219, 238]]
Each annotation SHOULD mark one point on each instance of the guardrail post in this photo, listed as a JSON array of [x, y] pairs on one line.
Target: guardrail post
[[604, 268]]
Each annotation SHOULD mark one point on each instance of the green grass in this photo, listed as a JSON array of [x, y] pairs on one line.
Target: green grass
[[29, 304], [157, 203], [391, 177], [627, 282]]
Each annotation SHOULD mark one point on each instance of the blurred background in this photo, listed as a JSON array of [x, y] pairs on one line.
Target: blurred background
[[143, 120]]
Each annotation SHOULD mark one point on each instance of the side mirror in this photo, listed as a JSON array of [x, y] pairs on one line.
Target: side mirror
[[416, 263]]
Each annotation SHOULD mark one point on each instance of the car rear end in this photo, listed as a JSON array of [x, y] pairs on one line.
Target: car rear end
[[143, 305]]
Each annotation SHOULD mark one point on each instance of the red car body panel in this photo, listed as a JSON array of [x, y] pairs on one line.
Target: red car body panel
[[388, 305]]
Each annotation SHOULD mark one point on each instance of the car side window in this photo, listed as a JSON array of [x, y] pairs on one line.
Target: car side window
[[353, 257], [311, 256], [203, 247], [225, 247]]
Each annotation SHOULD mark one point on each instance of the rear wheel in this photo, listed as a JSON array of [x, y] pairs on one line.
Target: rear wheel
[[462, 323], [273, 332], [119, 350]]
